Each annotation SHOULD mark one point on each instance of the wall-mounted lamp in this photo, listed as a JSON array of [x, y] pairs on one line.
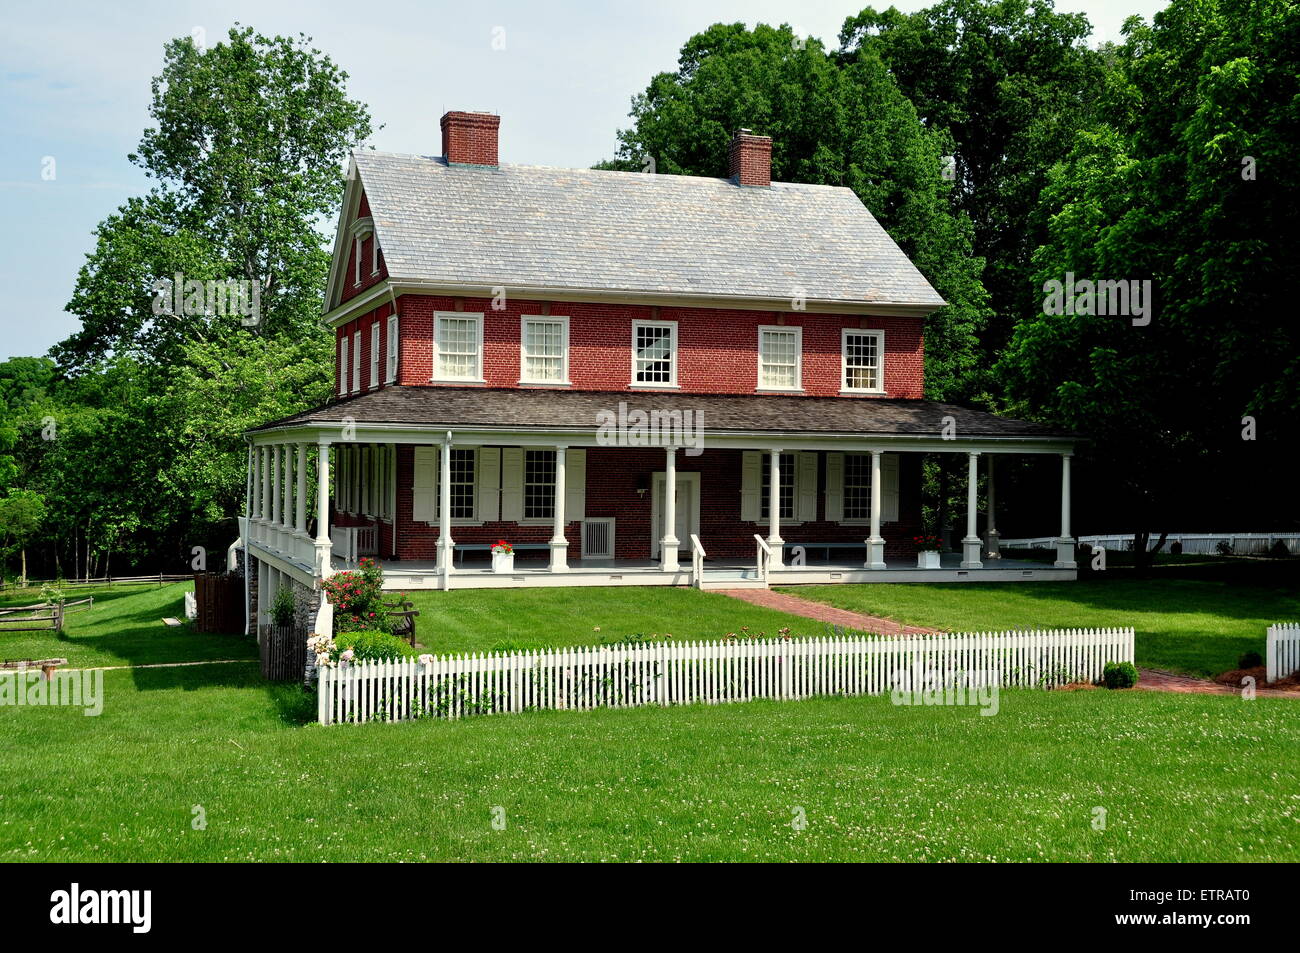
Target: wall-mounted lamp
[[643, 484]]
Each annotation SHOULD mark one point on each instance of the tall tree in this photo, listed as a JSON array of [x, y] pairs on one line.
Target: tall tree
[[832, 124]]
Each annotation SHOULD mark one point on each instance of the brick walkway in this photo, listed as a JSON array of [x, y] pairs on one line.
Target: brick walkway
[[1154, 680], [796, 605]]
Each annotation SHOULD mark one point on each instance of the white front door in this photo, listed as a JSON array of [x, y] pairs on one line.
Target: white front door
[[688, 511]]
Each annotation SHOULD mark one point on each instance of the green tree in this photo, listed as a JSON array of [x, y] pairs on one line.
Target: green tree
[[21, 513], [832, 123]]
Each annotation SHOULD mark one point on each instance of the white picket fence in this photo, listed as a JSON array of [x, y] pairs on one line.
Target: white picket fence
[[684, 673], [1283, 651]]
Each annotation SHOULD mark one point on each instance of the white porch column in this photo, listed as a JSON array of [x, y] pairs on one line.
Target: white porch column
[[286, 510], [323, 555], [300, 521], [446, 545], [275, 485], [255, 501], [875, 542], [774, 539], [1065, 545], [669, 544], [559, 545], [264, 483], [970, 544], [992, 534]]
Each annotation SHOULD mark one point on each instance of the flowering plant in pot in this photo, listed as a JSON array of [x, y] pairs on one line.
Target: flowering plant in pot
[[927, 551], [503, 556]]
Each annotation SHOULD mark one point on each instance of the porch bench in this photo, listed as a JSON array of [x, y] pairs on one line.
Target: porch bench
[[459, 548], [825, 548], [403, 617]]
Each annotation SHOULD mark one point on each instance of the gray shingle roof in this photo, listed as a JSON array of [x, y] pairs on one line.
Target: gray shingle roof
[[520, 409], [580, 229]]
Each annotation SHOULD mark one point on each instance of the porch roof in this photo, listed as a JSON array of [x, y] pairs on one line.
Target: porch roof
[[452, 408]]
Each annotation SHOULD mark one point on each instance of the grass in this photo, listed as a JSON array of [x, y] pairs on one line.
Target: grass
[[1199, 626], [1181, 778], [123, 627], [476, 620]]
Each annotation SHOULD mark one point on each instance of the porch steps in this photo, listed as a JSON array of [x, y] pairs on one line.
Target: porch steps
[[732, 579]]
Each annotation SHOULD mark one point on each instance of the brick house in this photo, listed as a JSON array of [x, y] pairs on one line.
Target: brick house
[[538, 355]]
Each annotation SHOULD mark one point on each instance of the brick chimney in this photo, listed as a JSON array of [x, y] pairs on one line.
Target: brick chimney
[[749, 159], [470, 138]]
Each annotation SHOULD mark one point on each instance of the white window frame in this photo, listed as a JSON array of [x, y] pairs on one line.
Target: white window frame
[[374, 254], [356, 361], [673, 355], [344, 369], [563, 322], [477, 318], [390, 370], [798, 357], [374, 355], [356, 263], [524, 518], [844, 490], [844, 360]]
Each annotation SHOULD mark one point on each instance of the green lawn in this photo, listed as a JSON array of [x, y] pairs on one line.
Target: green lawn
[[1181, 778], [123, 627], [1197, 626], [475, 620]]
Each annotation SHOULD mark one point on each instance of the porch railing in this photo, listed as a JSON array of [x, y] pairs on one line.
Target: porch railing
[[764, 556], [697, 561]]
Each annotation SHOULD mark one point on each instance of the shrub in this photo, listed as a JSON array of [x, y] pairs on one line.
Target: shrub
[[283, 608], [358, 599], [1176, 548], [1279, 550], [1119, 675], [372, 645], [1223, 548], [1250, 660]]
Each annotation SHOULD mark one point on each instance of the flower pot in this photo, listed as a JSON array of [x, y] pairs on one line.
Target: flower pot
[[503, 562], [927, 559]]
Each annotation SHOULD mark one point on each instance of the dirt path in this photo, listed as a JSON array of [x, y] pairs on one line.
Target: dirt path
[[1151, 679]]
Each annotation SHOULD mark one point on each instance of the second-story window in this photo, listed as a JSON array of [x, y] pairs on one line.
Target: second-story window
[[780, 358], [458, 347], [654, 353], [864, 361], [544, 350], [374, 355]]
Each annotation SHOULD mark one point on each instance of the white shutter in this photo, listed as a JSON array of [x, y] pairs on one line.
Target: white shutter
[[392, 348], [889, 488], [374, 355], [356, 361], [806, 462], [575, 485], [424, 485], [834, 487], [751, 484], [489, 484], [512, 484], [343, 364]]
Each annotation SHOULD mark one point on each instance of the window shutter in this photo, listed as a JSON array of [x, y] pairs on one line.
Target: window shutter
[[806, 510], [751, 482], [834, 487], [374, 355], [343, 364], [489, 484], [512, 484], [889, 488], [392, 349], [575, 485], [424, 485], [356, 361]]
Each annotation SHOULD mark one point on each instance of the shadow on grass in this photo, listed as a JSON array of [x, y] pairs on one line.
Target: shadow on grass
[[293, 704]]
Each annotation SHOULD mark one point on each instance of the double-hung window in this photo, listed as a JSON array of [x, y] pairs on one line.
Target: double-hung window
[[458, 347], [543, 350], [654, 354], [787, 493], [863, 355], [539, 484], [462, 484], [780, 361], [857, 486]]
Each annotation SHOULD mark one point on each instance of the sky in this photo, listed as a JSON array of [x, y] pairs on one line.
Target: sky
[[74, 95]]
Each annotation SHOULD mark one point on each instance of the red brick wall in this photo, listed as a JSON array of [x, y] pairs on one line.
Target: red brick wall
[[368, 280], [717, 348], [611, 481], [363, 323]]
